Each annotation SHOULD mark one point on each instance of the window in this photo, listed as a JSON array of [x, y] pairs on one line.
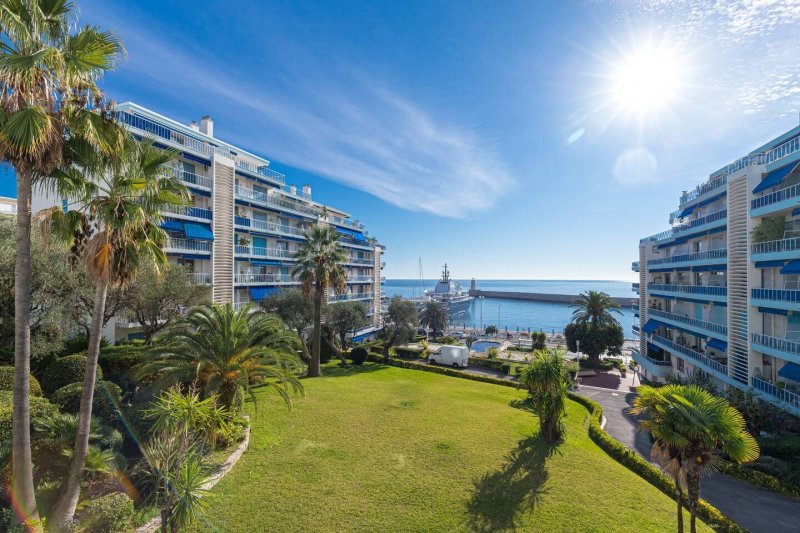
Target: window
[[679, 365]]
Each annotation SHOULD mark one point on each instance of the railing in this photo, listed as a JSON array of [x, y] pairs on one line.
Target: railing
[[197, 212], [349, 241], [188, 245], [267, 226], [359, 279], [264, 278], [262, 170], [721, 253], [263, 252], [778, 295], [158, 130], [712, 217], [294, 191], [192, 179], [775, 197], [782, 150], [358, 261], [346, 222], [265, 198], [792, 398], [689, 289], [710, 326], [636, 329], [710, 185], [697, 356], [656, 362], [202, 278], [635, 287], [782, 345], [635, 266], [348, 297], [781, 245], [239, 305]]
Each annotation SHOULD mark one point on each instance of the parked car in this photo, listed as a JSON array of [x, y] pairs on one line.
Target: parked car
[[460, 335], [457, 356]]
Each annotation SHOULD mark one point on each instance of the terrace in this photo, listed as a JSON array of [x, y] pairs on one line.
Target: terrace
[[786, 349], [708, 364], [712, 220]]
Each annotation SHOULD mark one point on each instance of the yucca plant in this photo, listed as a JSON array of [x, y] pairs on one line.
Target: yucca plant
[[547, 380]]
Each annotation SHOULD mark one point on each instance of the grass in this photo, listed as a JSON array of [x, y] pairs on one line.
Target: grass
[[387, 449]]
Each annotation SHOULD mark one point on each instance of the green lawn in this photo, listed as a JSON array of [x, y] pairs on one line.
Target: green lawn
[[389, 449]]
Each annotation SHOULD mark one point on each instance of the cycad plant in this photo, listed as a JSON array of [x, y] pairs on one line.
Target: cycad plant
[[688, 425], [547, 380], [113, 224], [227, 350], [48, 83], [319, 268]]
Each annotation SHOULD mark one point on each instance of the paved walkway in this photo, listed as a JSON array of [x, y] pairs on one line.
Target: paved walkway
[[753, 508]]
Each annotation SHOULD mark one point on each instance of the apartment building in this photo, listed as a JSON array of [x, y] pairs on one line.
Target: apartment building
[[719, 291]]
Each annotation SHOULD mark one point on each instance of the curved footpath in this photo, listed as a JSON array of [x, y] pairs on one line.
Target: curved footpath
[[756, 509]]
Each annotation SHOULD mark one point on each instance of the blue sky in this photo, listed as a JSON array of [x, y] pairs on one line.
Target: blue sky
[[495, 136]]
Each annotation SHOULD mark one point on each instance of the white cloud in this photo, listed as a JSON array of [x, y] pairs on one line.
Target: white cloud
[[636, 166]]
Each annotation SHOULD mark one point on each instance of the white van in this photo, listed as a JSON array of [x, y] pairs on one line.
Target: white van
[[457, 356]]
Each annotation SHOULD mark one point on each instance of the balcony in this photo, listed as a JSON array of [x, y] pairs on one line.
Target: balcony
[[776, 250], [635, 266], [350, 297], [175, 245], [355, 243], [273, 253], [713, 220], [775, 201], [636, 329], [708, 293], [193, 180], [703, 328], [346, 222], [275, 201], [260, 279], [188, 211], [706, 363], [360, 279], [359, 261], [713, 185], [261, 170], [719, 256], [788, 299], [654, 367], [635, 287], [781, 397], [202, 278], [268, 227], [782, 150], [786, 349]]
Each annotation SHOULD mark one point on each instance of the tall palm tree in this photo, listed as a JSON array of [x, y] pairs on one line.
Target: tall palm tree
[[595, 308], [688, 425], [114, 223], [227, 350], [319, 266], [547, 381], [48, 78], [434, 316]]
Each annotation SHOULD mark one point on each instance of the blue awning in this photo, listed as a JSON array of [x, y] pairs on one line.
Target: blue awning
[[704, 268], [711, 200], [192, 157], [359, 236], [719, 268], [682, 269], [771, 311], [769, 264], [796, 211], [790, 371], [198, 231], [259, 293], [265, 262], [651, 326], [686, 212], [792, 267], [346, 232], [652, 348], [661, 269], [775, 177], [717, 344], [193, 256], [172, 225]]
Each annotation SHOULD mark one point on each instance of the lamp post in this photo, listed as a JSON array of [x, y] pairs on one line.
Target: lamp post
[[481, 298]]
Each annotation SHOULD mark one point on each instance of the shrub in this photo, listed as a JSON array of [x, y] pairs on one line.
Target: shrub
[[446, 340], [359, 355], [782, 447], [538, 340], [491, 353], [408, 352], [7, 381], [66, 370], [40, 408], [117, 360], [111, 513], [104, 406]]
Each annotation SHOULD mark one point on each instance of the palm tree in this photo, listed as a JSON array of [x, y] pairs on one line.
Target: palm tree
[[319, 266], [434, 316], [595, 308], [688, 425], [114, 224], [227, 350], [547, 380], [48, 75]]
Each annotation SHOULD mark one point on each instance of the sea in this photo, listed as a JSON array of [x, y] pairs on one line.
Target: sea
[[520, 315]]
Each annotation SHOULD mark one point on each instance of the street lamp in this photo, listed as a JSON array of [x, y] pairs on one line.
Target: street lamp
[[481, 299]]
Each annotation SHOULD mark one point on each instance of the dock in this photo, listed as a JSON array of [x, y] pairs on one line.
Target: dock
[[543, 297]]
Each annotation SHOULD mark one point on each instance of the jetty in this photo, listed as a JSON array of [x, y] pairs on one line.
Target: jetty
[[542, 297]]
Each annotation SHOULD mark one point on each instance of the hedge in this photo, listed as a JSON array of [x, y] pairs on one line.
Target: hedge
[[66, 370], [40, 408], [408, 352], [7, 381], [104, 406], [112, 513], [117, 360], [706, 512], [759, 479]]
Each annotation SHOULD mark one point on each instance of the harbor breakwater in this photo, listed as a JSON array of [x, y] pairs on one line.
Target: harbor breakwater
[[541, 297]]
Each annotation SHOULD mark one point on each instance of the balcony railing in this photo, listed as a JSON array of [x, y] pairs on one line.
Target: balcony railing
[[192, 178], [782, 345], [359, 261], [269, 227], [675, 230], [188, 211], [276, 253], [635, 287], [360, 279], [777, 295], [688, 289], [188, 245], [346, 222], [691, 354], [159, 130], [708, 186], [264, 198], [710, 326], [775, 197], [656, 362], [349, 297], [721, 253], [202, 278], [792, 398], [635, 266], [262, 170], [264, 278], [781, 245], [636, 329], [782, 150]]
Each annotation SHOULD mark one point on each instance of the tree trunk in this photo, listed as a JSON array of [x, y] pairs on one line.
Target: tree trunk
[[693, 492], [314, 366], [679, 498], [22, 487], [305, 355], [71, 489]]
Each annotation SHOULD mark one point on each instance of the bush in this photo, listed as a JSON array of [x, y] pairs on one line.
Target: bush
[[491, 353], [7, 381], [359, 355], [446, 340], [66, 370], [106, 399], [80, 343], [408, 352], [782, 447], [759, 479], [40, 408], [111, 513], [538, 340], [117, 360]]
